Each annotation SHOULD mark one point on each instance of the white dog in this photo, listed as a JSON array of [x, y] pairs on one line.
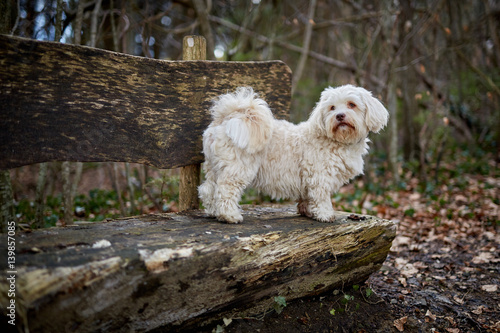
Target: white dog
[[245, 146]]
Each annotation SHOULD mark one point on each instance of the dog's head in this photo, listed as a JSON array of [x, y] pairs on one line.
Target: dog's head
[[347, 113]]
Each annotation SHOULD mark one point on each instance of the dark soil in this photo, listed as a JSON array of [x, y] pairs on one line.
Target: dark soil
[[447, 294], [442, 274]]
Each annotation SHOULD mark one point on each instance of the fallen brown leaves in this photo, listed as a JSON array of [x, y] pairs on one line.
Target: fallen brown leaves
[[399, 323], [442, 271], [441, 274]]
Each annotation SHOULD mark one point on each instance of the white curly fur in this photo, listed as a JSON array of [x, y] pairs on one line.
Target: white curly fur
[[245, 146]]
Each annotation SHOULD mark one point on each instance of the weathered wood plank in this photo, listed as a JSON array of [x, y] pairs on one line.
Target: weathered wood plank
[[75, 103], [193, 48], [161, 271]]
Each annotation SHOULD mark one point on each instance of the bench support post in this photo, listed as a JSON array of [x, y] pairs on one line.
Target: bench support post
[[193, 48]]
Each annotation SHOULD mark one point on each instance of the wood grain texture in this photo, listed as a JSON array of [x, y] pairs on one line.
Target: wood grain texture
[[193, 48], [156, 272], [73, 103], [190, 177]]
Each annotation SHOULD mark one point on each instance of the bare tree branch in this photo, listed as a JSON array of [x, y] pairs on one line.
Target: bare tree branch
[[206, 29], [486, 78], [351, 19], [182, 29], [305, 47], [58, 24], [318, 56], [78, 23], [93, 23], [487, 81], [113, 26], [16, 23]]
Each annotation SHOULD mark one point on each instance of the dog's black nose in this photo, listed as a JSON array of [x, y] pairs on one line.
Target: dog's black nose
[[340, 116]]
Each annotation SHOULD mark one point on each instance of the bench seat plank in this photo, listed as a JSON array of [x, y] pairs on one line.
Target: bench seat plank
[[158, 271], [73, 103]]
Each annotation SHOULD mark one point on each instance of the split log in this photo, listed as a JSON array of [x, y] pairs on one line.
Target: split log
[[170, 271], [62, 102]]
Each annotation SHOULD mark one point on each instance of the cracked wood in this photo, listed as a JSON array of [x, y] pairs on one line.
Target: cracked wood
[[73, 103], [156, 272]]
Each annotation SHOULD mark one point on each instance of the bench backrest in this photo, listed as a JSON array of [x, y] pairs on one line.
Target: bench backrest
[[62, 102]]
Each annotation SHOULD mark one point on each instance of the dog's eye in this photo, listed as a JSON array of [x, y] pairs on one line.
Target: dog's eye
[[332, 107], [351, 105]]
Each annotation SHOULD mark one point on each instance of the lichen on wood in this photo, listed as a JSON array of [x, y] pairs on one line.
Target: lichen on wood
[[74, 103], [161, 271]]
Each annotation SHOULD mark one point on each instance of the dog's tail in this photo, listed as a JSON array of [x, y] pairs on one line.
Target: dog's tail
[[247, 119]]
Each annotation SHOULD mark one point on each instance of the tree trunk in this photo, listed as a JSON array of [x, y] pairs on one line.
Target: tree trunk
[[6, 201], [392, 106], [58, 23], [67, 193], [40, 196], [131, 189], [7, 14], [408, 82], [6, 198]]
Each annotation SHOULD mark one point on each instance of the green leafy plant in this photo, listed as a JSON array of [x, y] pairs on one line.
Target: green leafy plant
[[409, 212], [279, 304], [347, 300], [218, 329]]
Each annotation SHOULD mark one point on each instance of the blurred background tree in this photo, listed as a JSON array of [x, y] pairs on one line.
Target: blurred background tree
[[434, 63]]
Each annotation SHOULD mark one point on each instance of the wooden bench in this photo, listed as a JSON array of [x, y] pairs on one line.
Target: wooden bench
[[63, 102]]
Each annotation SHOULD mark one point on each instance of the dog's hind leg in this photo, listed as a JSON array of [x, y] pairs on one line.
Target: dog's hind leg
[[206, 192], [226, 204], [230, 186], [303, 207]]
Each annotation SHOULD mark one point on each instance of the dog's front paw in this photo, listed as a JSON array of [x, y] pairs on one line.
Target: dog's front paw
[[230, 218], [327, 218], [228, 211]]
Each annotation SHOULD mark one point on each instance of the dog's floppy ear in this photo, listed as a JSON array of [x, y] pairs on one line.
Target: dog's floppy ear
[[376, 114], [316, 116]]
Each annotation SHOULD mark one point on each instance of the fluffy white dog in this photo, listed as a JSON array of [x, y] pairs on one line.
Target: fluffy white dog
[[245, 146]]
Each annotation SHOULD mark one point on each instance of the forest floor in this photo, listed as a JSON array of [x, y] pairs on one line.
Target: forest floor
[[442, 273]]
